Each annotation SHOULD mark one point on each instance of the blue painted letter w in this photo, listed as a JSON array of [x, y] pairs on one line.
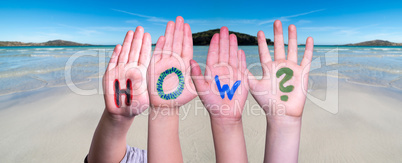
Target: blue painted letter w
[[225, 88]]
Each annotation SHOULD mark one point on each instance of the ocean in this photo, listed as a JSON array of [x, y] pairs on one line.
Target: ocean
[[33, 68]]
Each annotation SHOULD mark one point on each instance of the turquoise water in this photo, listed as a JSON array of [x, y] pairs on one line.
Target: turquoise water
[[34, 68]]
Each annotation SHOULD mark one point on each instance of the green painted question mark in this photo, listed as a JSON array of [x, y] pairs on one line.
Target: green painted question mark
[[288, 75]]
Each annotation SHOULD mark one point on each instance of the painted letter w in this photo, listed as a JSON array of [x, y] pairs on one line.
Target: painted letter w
[[225, 88]]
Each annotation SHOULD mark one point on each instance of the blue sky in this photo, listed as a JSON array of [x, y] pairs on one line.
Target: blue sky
[[106, 22]]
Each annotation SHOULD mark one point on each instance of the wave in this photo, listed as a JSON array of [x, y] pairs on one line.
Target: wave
[[361, 68], [339, 76], [330, 49], [373, 83], [367, 55], [42, 55], [366, 84], [48, 49], [40, 70], [387, 49], [9, 74], [14, 55], [21, 84]]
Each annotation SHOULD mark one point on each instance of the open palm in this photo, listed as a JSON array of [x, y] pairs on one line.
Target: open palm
[[273, 93], [226, 65], [124, 82], [169, 67]]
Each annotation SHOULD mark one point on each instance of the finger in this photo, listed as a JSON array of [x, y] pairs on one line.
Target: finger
[[146, 49], [279, 49], [158, 48], [136, 45], [123, 57], [113, 59], [224, 45], [200, 84], [308, 53], [292, 44], [167, 48], [213, 51], [187, 42], [263, 48], [178, 36], [213, 54], [243, 63], [233, 60]]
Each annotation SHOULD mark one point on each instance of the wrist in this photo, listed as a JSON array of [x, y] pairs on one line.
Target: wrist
[[226, 115], [164, 113], [226, 124], [117, 120], [284, 124], [114, 127], [223, 121]]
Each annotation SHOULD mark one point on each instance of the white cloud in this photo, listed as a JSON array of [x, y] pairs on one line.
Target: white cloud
[[155, 19], [347, 32], [323, 28], [286, 18], [110, 28], [283, 19], [303, 22], [133, 22], [221, 21], [149, 18]]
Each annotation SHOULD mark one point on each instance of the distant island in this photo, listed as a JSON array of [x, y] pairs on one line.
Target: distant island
[[204, 38], [376, 43], [49, 43], [200, 38]]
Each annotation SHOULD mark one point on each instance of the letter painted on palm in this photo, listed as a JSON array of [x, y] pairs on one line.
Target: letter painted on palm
[[118, 92], [179, 89], [288, 75], [225, 88]]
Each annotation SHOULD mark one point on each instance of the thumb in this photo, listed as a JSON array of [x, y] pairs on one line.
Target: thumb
[[199, 81]]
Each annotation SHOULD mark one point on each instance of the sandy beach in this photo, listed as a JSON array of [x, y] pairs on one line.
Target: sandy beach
[[56, 125]]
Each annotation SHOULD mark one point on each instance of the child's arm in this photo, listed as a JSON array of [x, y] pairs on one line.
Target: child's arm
[[229, 142], [225, 75], [109, 141], [170, 87], [282, 100], [163, 136], [124, 78]]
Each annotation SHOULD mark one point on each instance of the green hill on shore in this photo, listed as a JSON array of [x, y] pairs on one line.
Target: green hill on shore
[[49, 43], [204, 38], [376, 43]]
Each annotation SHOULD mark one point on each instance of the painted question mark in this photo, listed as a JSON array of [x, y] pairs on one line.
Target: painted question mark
[[288, 75]]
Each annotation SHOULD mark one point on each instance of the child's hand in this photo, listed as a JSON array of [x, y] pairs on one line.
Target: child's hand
[[169, 85], [267, 91], [223, 91], [125, 96], [282, 93], [224, 88], [124, 82], [169, 82]]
